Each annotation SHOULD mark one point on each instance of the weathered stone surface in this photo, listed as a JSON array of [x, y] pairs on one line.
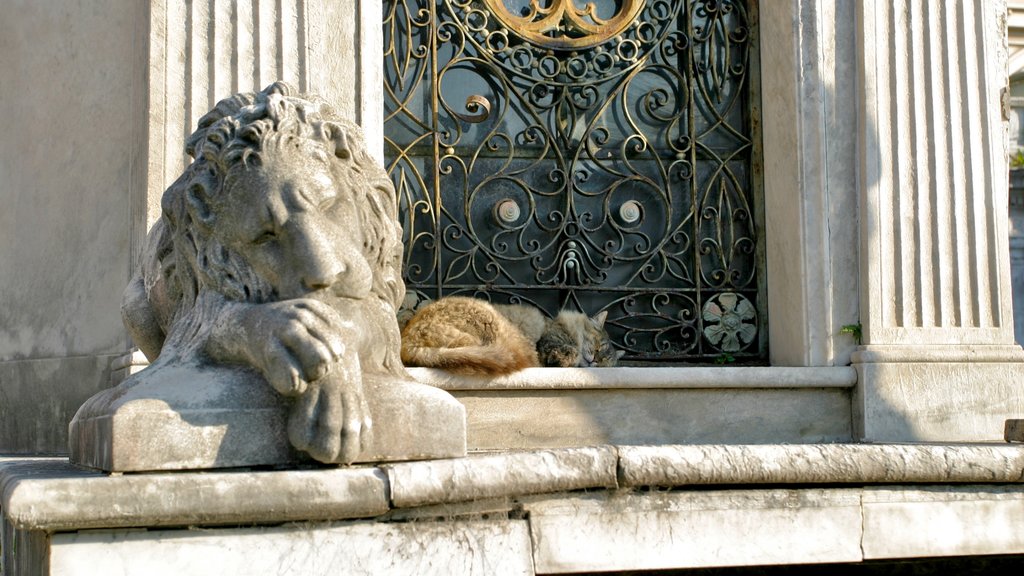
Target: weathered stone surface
[[532, 419], [468, 516], [943, 521], [277, 260], [458, 547], [67, 218], [562, 407], [960, 400], [479, 477], [39, 397], [178, 419], [486, 509], [641, 378], [818, 464], [53, 495], [22, 551], [1013, 430], [649, 531]]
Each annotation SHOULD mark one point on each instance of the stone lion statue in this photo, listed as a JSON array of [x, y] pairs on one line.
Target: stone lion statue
[[279, 250]]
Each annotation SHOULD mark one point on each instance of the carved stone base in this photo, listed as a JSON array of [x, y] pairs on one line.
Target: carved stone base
[[186, 417], [937, 394]]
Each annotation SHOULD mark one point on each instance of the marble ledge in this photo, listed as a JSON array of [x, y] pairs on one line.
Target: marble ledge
[[688, 377], [820, 464], [494, 476], [53, 495]]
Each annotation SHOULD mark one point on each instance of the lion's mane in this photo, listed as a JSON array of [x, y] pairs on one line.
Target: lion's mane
[[184, 259]]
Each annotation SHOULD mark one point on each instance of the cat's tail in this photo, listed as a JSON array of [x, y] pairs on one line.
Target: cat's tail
[[492, 360]]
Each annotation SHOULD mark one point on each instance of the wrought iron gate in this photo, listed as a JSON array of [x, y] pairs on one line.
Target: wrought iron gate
[[597, 157]]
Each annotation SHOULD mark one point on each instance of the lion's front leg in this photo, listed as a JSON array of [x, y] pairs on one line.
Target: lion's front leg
[[291, 342], [331, 420], [305, 349]]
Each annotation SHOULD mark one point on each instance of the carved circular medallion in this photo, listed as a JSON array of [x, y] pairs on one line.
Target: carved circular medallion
[[730, 321]]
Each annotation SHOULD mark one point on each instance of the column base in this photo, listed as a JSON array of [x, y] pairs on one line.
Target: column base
[[937, 393]]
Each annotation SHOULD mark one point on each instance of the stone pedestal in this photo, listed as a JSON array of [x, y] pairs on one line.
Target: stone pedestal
[[187, 417]]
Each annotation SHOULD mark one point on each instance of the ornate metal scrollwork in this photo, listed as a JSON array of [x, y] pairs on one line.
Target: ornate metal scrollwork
[[596, 155], [562, 24]]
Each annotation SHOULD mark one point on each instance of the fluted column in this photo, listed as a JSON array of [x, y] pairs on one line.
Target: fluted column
[[204, 50], [939, 358], [934, 175]]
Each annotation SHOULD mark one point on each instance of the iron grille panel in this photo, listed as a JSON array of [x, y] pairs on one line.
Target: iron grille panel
[[601, 159]]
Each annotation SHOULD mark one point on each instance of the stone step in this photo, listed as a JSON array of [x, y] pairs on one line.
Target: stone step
[[563, 407]]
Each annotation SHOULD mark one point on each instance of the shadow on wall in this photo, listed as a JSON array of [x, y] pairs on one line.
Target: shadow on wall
[[1016, 232]]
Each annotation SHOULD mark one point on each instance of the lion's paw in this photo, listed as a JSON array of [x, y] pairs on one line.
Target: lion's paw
[[298, 343], [331, 420]]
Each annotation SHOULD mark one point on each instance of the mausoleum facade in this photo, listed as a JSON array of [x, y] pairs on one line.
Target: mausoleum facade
[[861, 391]]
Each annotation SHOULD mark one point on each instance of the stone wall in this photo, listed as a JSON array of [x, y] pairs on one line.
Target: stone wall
[[72, 155]]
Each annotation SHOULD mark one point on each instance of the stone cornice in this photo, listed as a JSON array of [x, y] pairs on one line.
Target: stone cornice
[[53, 495]]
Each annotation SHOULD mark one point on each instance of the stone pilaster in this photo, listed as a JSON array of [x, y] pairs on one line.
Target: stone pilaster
[[206, 50], [939, 360]]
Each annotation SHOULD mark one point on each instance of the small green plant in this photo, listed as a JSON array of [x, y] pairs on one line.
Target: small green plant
[[1017, 160], [853, 330], [725, 358]]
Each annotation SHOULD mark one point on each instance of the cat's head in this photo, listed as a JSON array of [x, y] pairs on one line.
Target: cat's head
[[596, 349]]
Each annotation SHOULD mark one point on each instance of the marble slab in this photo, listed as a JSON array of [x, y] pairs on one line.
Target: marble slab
[[481, 548], [51, 495], [943, 521], [652, 531], [725, 464], [529, 419]]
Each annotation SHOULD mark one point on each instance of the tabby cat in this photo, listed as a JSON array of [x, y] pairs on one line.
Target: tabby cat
[[472, 336], [573, 339]]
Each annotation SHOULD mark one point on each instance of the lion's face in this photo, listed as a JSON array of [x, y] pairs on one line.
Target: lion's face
[[297, 228]]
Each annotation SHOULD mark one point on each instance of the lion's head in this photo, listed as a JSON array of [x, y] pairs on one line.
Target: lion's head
[[282, 201]]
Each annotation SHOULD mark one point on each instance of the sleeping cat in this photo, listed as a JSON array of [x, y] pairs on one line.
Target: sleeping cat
[[472, 336], [573, 339]]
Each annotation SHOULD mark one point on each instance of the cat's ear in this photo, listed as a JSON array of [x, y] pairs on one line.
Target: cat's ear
[[600, 318]]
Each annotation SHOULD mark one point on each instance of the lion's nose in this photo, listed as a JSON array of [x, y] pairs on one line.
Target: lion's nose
[[321, 266], [323, 276]]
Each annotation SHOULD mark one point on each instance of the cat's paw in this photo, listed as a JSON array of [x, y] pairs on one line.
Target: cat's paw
[[561, 356]]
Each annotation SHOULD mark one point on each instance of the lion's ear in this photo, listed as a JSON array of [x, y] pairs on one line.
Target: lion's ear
[[198, 204], [335, 134]]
